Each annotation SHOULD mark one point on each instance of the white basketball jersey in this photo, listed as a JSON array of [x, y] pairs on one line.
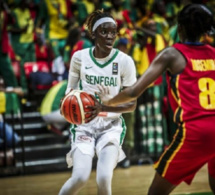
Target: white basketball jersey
[[115, 71]]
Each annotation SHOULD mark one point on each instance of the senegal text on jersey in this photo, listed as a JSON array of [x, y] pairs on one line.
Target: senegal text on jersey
[[107, 81], [203, 65]]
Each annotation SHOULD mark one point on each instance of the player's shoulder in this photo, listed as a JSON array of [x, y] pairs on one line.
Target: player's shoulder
[[82, 52], [78, 55], [169, 52]]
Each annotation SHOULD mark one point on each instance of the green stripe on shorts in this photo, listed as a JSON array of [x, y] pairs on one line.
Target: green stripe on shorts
[[123, 131]]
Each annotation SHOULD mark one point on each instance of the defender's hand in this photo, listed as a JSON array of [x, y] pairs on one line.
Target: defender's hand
[[93, 111], [104, 94]]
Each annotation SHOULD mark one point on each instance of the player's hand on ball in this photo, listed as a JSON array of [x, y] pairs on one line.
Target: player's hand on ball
[[93, 111], [104, 94]]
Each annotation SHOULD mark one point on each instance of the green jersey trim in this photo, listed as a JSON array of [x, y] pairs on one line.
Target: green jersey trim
[[105, 64], [73, 131]]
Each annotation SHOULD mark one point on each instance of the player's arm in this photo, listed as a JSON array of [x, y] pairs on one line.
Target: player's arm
[[104, 96], [121, 108], [128, 78], [98, 108], [74, 75], [168, 59], [74, 72]]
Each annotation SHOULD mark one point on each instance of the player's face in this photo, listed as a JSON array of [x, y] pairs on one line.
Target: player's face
[[105, 37]]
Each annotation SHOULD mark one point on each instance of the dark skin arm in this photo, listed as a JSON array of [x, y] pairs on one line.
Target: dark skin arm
[[169, 59], [121, 108]]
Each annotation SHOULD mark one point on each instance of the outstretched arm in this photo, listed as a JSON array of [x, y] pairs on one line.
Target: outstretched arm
[[105, 96], [168, 59], [101, 108]]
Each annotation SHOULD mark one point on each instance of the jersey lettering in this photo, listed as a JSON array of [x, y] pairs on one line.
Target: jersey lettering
[[203, 65], [106, 81]]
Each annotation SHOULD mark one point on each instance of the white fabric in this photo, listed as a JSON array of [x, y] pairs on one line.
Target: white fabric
[[80, 174], [90, 74], [73, 84], [107, 161], [92, 137], [104, 93], [74, 74], [101, 21]]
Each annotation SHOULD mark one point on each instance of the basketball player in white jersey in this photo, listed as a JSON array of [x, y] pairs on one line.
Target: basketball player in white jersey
[[91, 69]]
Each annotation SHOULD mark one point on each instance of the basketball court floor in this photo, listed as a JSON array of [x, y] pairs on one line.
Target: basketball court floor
[[131, 181]]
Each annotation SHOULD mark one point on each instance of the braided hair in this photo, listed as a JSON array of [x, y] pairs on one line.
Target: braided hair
[[93, 17], [197, 20]]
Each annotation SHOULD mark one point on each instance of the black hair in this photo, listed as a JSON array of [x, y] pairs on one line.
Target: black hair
[[93, 17], [197, 20], [73, 36]]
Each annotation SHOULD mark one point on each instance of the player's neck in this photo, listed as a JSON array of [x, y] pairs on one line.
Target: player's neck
[[108, 56]]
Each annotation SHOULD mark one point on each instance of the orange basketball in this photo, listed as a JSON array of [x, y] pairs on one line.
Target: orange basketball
[[73, 106]]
